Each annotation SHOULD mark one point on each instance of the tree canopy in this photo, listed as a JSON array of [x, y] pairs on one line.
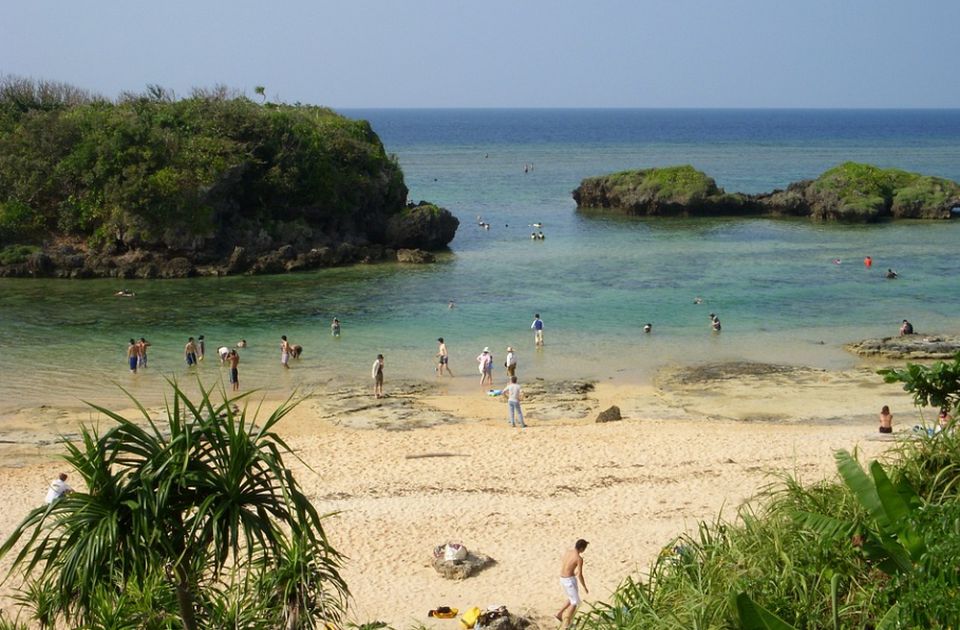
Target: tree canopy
[[153, 171]]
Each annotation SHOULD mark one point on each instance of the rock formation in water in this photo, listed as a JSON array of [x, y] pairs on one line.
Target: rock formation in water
[[912, 347], [849, 192], [150, 186]]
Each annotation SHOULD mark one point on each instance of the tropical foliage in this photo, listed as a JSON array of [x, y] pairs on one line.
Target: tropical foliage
[[869, 191], [192, 522], [878, 548], [153, 171]]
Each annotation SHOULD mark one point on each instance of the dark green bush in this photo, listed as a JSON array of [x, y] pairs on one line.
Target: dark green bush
[[156, 172]]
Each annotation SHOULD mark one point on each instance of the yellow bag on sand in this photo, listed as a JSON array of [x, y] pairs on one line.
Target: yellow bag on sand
[[470, 617]]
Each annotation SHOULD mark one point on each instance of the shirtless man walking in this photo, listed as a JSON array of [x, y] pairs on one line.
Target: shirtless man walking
[[443, 358], [190, 352], [234, 358], [571, 568], [142, 346], [133, 356]]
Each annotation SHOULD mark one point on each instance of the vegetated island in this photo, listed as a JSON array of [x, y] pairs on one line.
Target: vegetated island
[[153, 186], [849, 192]]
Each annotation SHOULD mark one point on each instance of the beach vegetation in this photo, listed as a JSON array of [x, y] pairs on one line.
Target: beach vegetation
[[683, 183], [10, 624], [12, 254], [193, 521], [937, 385], [150, 170], [848, 192], [876, 547]]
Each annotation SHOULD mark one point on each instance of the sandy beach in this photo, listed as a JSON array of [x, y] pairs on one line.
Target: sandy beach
[[437, 461]]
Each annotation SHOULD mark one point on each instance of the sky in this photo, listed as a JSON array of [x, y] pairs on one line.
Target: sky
[[501, 53]]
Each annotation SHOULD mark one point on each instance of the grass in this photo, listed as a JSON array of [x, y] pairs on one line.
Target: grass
[[678, 184], [13, 254]]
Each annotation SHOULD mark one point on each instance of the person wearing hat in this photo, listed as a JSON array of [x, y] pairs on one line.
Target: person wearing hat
[[485, 363], [511, 362]]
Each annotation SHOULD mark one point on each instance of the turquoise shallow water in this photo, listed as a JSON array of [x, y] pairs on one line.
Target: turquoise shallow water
[[595, 279]]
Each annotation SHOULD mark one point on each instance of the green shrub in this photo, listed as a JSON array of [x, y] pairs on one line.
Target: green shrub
[[156, 172], [810, 571], [13, 254]]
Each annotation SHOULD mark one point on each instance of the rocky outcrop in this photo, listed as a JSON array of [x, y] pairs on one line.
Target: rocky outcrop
[[424, 226], [908, 347], [472, 564], [849, 192], [414, 256], [611, 414], [208, 185], [670, 191], [149, 264]]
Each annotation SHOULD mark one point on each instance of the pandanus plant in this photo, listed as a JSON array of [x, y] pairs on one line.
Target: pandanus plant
[[203, 500]]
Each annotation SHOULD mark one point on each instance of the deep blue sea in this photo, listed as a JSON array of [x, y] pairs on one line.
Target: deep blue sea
[[595, 279]]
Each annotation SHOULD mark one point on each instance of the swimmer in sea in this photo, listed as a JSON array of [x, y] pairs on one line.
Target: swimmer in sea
[[698, 300], [124, 293], [242, 343], [647, 328], [335, 327], [891, 274]]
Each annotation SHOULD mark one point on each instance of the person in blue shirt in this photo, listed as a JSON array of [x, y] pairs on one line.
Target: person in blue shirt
[[537, 327]]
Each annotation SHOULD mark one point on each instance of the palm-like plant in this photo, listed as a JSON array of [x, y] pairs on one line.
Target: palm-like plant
[[204, 498]]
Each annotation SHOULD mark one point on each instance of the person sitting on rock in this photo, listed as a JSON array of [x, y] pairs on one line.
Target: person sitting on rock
[[906, 328]]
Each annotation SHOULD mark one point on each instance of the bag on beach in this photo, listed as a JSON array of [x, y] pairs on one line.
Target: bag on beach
[[469, 618], [454, 551]]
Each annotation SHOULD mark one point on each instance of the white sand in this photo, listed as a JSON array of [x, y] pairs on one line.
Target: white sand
[[522, 497]]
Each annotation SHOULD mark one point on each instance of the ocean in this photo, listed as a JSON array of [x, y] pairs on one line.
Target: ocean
[[596, 278]]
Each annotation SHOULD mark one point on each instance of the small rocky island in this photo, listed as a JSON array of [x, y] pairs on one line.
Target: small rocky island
[[848, 192], [151, 186]]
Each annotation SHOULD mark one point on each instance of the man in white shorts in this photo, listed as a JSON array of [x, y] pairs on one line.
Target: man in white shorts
[[571, 569]]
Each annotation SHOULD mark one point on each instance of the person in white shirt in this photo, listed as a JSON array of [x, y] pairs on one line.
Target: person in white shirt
[[377, 374], [511, 362], [58, 488], [514, 396], [485, 364]]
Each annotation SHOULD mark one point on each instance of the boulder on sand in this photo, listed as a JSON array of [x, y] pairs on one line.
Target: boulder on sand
[[461, 568], [610, 415]]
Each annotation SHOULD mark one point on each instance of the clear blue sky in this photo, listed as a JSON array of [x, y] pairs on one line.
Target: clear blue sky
[[502, 53]]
